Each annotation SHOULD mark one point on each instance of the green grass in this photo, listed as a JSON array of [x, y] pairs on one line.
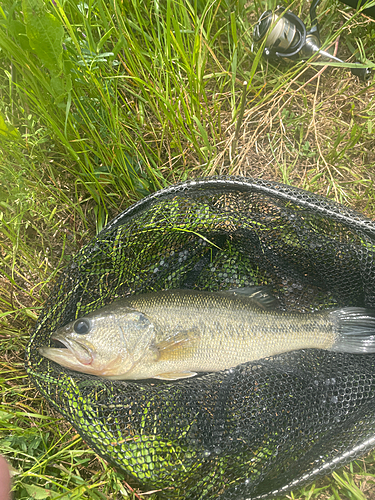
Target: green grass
[[102, 103]]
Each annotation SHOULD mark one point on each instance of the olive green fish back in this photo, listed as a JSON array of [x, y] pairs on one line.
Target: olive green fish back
[[254, 431]]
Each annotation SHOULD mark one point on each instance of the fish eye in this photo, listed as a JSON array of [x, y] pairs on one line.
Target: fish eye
[[82, 326]]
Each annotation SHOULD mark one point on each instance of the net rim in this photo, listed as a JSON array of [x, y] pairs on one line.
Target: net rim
[[322, 205]]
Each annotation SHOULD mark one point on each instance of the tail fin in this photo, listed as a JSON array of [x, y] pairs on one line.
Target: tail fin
[[355, 330]]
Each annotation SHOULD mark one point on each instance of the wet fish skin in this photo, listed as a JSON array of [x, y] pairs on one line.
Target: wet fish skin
[[177, 333]]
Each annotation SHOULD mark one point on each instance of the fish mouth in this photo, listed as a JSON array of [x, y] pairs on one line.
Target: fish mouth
[[67, 352], [58, 344]]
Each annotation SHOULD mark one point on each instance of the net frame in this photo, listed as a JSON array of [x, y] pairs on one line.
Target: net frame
[[231, 434]]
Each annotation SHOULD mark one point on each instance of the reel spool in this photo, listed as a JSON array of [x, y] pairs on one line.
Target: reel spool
[[287, 38]]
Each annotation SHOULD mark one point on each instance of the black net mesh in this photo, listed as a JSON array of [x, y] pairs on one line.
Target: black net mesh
[[253, 431]]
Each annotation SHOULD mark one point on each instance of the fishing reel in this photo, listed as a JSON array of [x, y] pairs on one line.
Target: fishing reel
[[286, 37]]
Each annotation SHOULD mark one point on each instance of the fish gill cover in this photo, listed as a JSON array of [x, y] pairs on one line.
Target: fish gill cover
[[253, 431]]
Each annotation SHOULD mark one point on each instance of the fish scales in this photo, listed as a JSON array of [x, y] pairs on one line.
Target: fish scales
[[179, 333], [227, 330]]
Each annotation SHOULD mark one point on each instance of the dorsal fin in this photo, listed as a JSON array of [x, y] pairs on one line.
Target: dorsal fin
[[258, 294]]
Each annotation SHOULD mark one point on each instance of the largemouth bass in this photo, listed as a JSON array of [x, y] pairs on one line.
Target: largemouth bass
[[178, 333]]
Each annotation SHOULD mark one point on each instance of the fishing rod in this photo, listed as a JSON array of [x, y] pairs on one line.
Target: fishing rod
[[286, 37]]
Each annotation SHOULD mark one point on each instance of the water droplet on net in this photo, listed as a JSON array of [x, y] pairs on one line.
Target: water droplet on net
[[206, 453]]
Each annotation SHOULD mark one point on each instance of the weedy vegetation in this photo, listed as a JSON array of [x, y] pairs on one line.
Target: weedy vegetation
[[104, 102]]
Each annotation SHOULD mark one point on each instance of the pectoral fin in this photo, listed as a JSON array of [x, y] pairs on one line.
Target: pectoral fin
[[178, 345], [174, 376]]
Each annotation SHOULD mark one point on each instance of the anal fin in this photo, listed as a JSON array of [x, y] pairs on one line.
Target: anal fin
[[174, 375]]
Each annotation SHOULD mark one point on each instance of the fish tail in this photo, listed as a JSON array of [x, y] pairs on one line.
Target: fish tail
[[355, 330]]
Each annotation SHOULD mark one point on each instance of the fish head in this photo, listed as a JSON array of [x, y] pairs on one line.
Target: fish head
[[106, 342]]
